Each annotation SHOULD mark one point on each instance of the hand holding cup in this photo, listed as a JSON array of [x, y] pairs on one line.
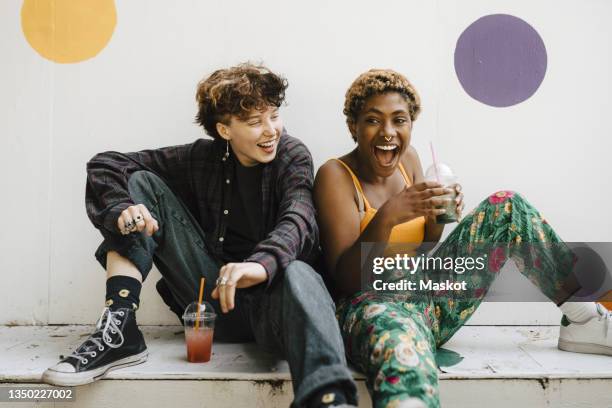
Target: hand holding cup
[[459, 200], [421, 199], [443, 174]]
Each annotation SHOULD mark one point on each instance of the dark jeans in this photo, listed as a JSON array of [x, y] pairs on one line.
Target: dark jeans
[[294, 317]]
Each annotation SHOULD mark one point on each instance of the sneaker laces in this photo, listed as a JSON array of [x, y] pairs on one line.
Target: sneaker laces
[[110, 322]]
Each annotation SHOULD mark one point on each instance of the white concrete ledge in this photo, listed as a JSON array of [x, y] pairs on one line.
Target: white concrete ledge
[[507, 366]]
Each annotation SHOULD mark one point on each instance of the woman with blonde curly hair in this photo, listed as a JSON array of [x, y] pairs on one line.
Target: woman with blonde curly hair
[[377, 194]]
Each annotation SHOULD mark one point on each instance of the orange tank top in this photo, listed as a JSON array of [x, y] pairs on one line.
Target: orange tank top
[[409, 234]]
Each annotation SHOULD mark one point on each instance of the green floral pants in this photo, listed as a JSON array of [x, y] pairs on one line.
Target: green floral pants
[[392, 338]]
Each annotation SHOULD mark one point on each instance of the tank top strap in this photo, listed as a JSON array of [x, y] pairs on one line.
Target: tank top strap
[[356, 183], [406, 178]]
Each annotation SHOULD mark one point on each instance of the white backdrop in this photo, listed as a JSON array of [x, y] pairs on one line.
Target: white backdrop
[[139, 93]]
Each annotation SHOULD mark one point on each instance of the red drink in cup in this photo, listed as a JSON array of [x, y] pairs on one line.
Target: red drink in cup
[[199, 344], [199, 330]]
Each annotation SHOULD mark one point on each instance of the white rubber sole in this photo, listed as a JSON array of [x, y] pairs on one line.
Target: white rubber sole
[[588, 348], [62, 379]]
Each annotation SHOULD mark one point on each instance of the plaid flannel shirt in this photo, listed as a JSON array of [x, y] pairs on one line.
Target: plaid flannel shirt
[[200, 177]]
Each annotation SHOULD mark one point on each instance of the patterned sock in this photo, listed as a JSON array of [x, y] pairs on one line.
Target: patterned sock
[[122, 291], [579, 312], [327, 397]]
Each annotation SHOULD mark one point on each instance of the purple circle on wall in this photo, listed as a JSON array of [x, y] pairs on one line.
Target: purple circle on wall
[[500, 60]]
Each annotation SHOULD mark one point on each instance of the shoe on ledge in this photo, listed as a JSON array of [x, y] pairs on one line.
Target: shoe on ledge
[[117, 342], [593, 336]]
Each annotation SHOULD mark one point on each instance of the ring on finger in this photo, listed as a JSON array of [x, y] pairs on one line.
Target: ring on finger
[[135, 221], [221, 281]]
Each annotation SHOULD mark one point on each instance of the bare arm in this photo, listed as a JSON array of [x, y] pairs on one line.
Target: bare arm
[[339, 221]]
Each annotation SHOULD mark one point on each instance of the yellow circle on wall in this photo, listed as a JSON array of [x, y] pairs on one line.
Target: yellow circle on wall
[[68, 31]]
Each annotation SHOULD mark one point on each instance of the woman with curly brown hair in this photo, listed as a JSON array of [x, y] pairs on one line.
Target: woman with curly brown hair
[[377, 194], [236, 210]]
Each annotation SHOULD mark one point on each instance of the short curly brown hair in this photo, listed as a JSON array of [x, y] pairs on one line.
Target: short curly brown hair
[[375, 82], [237, 91]]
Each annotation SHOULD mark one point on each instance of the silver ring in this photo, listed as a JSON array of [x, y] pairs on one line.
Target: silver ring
[[221, 280]]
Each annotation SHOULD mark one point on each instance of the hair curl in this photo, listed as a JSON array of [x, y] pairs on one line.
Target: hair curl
[[237, 91], [375, 82]]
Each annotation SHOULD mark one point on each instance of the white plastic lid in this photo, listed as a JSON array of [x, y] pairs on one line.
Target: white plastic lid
[[445, 174], [207, 312]]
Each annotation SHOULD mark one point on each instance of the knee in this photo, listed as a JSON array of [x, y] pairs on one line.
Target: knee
[[298, 272], [143, 178], [301, 277], [142, 183], [501, 196]]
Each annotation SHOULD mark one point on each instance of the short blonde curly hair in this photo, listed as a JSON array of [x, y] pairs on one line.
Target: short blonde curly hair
[[375, 82]]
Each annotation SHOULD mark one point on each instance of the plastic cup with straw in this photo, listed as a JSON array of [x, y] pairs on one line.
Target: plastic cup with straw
[[199, 323], [443, 174], [202, 284], [435, 161]]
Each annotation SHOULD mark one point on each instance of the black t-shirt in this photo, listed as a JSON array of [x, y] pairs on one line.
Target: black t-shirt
[[245, 217]]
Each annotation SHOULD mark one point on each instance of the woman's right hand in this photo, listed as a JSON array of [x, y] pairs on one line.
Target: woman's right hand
[[418, 200], [137, 218]]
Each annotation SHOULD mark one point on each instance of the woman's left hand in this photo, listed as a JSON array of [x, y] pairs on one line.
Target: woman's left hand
[[459, 201]]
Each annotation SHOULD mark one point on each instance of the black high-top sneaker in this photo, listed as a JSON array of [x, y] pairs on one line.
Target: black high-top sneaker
[[117, 342]]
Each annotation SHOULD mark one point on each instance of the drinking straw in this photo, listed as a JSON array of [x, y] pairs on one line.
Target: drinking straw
[[202, 283], [435, 161]]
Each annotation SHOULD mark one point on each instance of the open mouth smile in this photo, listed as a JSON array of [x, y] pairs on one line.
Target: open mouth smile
[[386, 154], [268, 146]]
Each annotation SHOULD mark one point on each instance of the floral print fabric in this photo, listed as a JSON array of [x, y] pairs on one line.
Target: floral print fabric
[[392, 338]]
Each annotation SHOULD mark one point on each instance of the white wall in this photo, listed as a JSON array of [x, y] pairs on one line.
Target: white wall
[[139, 93]]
